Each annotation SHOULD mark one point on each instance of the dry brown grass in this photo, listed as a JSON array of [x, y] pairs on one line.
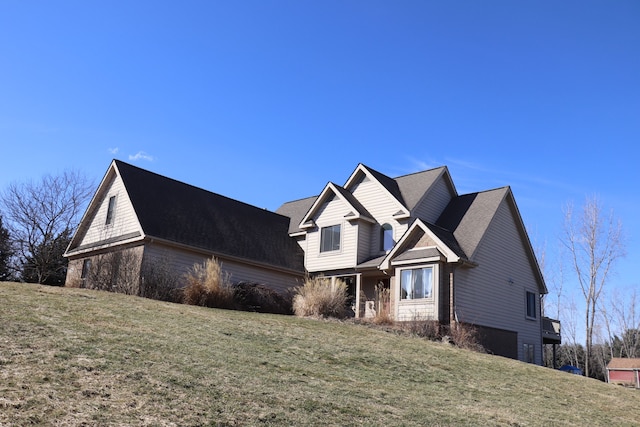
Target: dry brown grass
[[383, 307], [72, 357], [319, 297], [208, 286], [465, 336]]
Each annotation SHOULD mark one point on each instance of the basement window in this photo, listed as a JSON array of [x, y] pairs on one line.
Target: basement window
[[529, 352]]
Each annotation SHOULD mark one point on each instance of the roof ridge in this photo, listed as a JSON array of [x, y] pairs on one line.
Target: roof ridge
[[504, 187], [419, 172], [193, 186], [301, 199]]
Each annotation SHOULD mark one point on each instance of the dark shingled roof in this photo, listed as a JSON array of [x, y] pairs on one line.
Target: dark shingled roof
[[418, 254], [448, 238], [354, 202], [184, 214], [389, 183], [468, 216], [296, 210], [415, 185]]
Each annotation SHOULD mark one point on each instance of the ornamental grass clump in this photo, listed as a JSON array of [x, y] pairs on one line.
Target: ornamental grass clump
[[208, 286], [319, 297]]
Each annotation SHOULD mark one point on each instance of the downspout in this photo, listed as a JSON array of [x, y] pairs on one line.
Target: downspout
[[452, 310]]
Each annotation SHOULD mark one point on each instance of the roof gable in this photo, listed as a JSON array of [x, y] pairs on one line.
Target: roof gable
[[389, 185], [357, 211], [91, 230], [442, 240], [469, 217], [415, 187], [180, 213]]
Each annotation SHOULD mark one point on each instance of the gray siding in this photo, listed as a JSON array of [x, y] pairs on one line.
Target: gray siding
[[365, 235], [434, 202], [501, 256], [181, 261]]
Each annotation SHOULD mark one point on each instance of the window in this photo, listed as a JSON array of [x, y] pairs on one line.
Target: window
[[111, 210], [86, 267], [386, 237], [416, 283], [330, 238], [531, 305], [529, 351]]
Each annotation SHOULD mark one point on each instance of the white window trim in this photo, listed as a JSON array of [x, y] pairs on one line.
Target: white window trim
[[340, 245], [434, 283]]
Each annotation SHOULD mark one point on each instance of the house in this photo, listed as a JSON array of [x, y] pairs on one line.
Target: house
[[624, 371], [409, 246], [437, 254], [157, 223]]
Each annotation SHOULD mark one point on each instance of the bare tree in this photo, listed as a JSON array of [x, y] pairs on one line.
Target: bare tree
[[40, 214], [622, 322], [595, 242]]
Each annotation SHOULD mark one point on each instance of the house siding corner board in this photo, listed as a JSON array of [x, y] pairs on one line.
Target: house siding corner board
[[503, 273], [430, 207], [124, 217]]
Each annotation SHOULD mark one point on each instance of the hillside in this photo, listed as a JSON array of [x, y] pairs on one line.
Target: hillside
[[74, 357]]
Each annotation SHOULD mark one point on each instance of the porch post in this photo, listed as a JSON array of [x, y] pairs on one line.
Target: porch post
[[358, 280]]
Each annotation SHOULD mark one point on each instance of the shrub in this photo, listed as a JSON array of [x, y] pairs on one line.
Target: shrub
[[261, 299], [319, 297], [429, 329], [465, 336], [208, 286], [383, 306], [159, 281]]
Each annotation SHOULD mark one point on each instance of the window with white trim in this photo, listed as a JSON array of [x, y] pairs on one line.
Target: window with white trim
[[416, 283], [330, 238], [386, 237], [532, 313]]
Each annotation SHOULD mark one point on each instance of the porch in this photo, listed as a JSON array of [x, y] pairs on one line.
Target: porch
[[551, 334]]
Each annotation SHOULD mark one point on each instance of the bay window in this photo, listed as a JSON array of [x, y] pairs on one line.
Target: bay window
[[416, 283]]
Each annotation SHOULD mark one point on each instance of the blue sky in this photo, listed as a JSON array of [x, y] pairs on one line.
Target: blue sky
[[267, 101]]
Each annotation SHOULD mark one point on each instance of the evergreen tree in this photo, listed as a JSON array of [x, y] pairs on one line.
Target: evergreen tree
[[6, 253], [46, 265]]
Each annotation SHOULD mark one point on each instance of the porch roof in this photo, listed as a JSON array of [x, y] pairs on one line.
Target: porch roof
[[414, 254], [371, 263]]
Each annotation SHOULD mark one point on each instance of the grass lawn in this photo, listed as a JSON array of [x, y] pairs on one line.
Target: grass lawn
[[78, 357]]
